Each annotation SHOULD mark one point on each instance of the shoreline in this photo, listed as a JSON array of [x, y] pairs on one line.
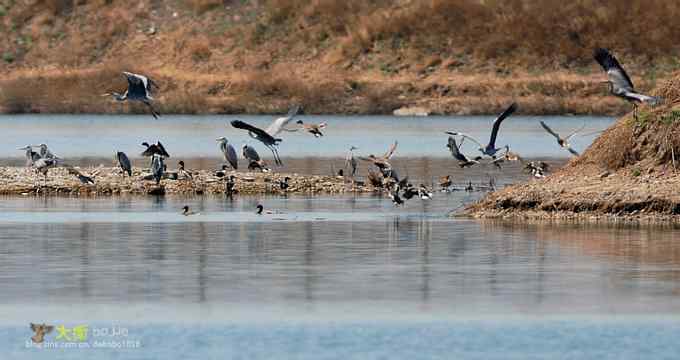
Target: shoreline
[[110, 182]]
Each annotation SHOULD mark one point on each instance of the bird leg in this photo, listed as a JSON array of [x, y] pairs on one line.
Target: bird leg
[[635, 111], [154, 113], [275, 152]]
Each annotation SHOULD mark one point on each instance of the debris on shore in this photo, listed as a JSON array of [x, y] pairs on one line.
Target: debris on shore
[[110, 181]]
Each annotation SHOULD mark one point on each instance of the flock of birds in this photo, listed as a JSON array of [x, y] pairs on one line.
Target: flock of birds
[[141, 88]]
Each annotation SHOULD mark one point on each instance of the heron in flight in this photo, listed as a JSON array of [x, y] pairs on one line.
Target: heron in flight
[[463, 160], [45, 152], [140, 88], [31, 156], [563, 141], [228, 152], [268, 135], [124, 163], [490, 149], [619, 82], [314, 129]]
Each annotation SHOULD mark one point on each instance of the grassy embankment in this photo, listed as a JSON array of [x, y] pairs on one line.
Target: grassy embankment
[[630, 172], [352, 56]]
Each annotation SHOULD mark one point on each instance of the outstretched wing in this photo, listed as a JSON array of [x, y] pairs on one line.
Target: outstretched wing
[[574, 152], [390, 152], [255, 130], [455, 151], [550, 131], [497, 123], [465, 136], [161, 149], [576, 131], [614, 70], [278, 124]]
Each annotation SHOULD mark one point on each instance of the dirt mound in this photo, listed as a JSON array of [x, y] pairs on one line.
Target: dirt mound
[[630, 170]]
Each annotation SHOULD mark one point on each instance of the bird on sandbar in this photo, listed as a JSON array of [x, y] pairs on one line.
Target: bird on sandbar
[[620, 83]]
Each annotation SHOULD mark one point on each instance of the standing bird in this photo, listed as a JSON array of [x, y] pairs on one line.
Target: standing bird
[[140, 88], [350, 161], [563, 141], [283, 184], [228, 152], [45, 152], [490, 149], [31, 156], [223, 172], [463, 160], [314, 129], [43, 165], [124, 163], [182, 173], [537, 168], [157, 168], [619, 83], [254, 160], [268, 136]]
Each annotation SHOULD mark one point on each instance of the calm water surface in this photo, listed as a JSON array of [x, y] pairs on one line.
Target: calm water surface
[[345, 277]]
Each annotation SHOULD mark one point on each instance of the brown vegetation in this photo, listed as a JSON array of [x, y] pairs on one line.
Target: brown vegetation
[[351, 56], [632, 169]]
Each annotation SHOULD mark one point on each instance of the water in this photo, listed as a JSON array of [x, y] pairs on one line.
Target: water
[[194, 136], [328, 277]]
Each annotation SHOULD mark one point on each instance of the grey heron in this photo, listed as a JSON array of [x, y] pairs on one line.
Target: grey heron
[[619, 82], [490, 149], [45, 152], [31, 156], [43, 165], [254, 160], [350, 161], [268, 136], [157, 168], [140, 88], [463, 160], [563, 141], [124, 163], [228, 152], [314, 129], [156, 148]]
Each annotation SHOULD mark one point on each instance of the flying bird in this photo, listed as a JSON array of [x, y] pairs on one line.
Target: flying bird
[[508, 156], [463, 160], [124, 163], [228, 152], [490, 149], [619, 82], [268, 136], [45, 152], [563, 141], [381, 162], [314, 129], [140, 88]]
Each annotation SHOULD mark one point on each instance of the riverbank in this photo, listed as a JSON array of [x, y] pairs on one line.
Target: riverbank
[[629, 173], [110, 181]]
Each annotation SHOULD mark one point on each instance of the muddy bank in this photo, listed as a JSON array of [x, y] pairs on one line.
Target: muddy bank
[[591, 195], [110, 181]]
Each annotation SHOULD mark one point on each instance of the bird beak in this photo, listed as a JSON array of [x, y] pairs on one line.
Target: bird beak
[[107, 94]]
